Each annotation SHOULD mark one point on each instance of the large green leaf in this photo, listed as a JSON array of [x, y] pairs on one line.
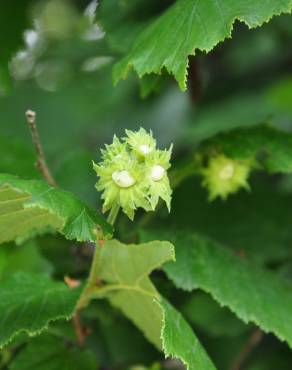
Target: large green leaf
[[273, 146], [253, 294], [24, 258], [29, 302], [189, 25], [48, 352], [29, 206], [125, 269]]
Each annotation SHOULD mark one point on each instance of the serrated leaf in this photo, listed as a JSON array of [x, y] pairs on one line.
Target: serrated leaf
[[29, 302], [253, 294], [32, 206], [189, 25], [179, 341], [48, 352], [272, 145], [125, 269]]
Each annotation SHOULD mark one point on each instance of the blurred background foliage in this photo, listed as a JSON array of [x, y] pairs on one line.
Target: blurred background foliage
[[57, 58]]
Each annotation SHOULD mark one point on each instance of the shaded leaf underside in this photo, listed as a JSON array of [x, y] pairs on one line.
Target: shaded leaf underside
[[125, 269]]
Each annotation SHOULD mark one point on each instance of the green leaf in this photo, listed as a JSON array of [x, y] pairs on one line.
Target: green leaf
[[24, 258], [30, 206], [272, 146], [29, 302], [247, 223], [47, 352], [189, 25], [179, 341], [105, 320], [125, 269], [253, 294]]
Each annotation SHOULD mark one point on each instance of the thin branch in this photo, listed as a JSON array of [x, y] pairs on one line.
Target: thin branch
[[80, 331], [41, 161], [252, 342]]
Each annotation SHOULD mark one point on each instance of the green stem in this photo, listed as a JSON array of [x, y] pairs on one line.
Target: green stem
[[93, 280], [113, 214], [178, 175]]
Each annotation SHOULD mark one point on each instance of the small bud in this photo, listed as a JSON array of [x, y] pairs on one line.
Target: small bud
[[30, 116], [140, 142], [224, 176], [157, 172], [227, 172], [123, 179], [145, 149], [159, 187]]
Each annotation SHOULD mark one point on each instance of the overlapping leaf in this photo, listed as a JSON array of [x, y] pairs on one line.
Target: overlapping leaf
[[29, 302], [189, 25], [125, 269], [253, 294], [30, 206], [178, 340], [272, 146], [48, 352]]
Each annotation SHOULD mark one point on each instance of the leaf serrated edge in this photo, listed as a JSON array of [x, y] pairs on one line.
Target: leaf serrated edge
[[162, 337], [123, 73], [167, 353], [239, 316], [242, 317], [32, 202], [43, 328]]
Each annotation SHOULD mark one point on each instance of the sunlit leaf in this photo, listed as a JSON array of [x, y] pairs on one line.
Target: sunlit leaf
[[187, 26], [32, 206]]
